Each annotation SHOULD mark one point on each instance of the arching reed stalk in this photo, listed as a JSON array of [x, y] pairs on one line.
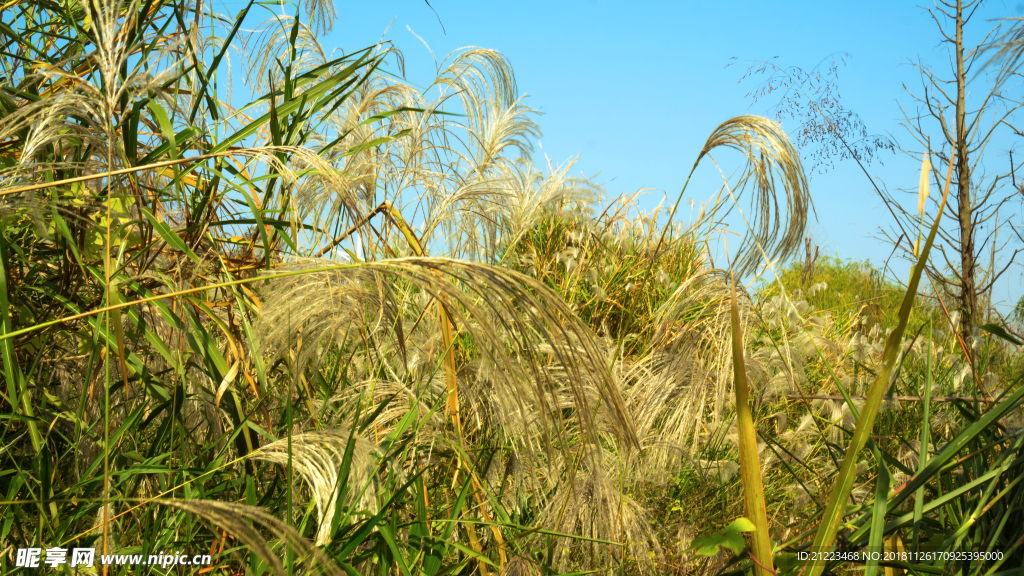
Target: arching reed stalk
[[770, 158]]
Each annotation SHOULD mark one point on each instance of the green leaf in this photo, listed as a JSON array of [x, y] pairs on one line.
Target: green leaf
[[169, 236], [787, 563], [707, 545], [729, 538], [997, 330], [876, 538], [750, 467], [835, 511], [15, 379], [205, 78], [312, 94], [165, 126], [734, 542], [376, 142], [740, 524]]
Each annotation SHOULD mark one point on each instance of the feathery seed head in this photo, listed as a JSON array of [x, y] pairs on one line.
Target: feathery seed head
[[768, 152], [922, 194]]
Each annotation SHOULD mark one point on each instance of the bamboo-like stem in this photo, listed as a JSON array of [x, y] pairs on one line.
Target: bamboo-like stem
[[121, 171], [750, 468], [175, 294]]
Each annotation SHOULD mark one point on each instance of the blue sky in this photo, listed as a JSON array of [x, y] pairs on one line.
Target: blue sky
[[637, 87]]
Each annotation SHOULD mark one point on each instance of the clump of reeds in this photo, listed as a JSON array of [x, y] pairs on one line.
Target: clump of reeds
[[353, 332]]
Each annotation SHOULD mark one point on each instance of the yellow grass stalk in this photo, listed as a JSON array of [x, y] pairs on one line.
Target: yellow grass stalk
[[121, 171], [446, 323], [922, 193], [922, 197], [750, 468], [832, 519], [453, 392]]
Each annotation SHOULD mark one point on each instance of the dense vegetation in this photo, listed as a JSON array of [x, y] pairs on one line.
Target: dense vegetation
[[351, 328]]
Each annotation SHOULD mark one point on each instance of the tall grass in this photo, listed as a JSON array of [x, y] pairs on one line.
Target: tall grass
[[350, 327]]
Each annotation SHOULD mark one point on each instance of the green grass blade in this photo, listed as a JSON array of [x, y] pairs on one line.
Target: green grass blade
[[926, 407], [836, 509], [750, 469], [876, 539], [12, 371]]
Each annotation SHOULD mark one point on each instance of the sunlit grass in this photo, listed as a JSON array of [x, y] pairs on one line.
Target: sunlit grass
[[357, 332]]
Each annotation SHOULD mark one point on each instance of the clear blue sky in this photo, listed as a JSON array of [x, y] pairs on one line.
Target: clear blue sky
[[637, 87]]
